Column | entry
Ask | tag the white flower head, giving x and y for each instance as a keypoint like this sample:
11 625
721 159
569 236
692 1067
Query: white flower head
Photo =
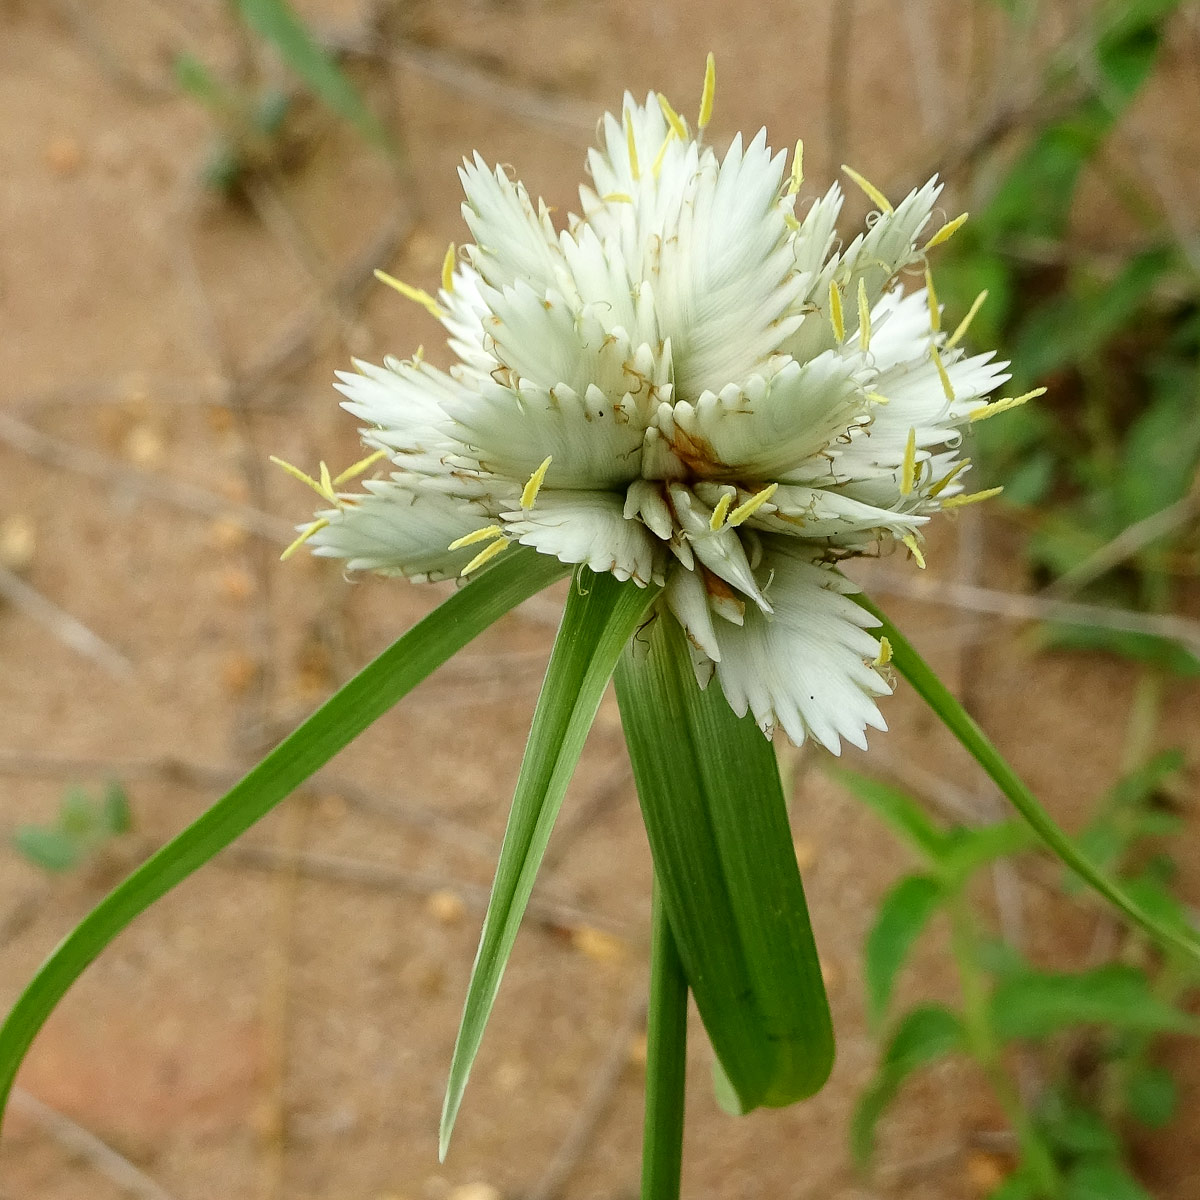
690 384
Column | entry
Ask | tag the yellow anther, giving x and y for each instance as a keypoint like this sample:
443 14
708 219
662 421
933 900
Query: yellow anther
864 317
363 464
656 166
710 92
885 653
325 492
530 492
718 514
308 532
946 232
946 480
797 170
872 192
835 311
617 198
485 555
789 219
935 311
877 398
448 268
631 147
327 484
965 323
423 298
972 498
908 466
947 386
476 535
999 406
911 542
744 512
675 121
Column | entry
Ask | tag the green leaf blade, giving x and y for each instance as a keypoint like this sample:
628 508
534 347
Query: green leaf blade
600 617
923 1036
935 693
1037 1004
902 916
514 578
278 22
717 824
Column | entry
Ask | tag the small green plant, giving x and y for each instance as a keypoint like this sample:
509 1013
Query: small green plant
1115 445
1093 1029
85 823
251 117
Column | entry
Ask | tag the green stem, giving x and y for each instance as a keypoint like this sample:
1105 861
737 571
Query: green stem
987 1050
666 1063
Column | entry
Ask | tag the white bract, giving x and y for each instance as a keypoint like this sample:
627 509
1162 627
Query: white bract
692 384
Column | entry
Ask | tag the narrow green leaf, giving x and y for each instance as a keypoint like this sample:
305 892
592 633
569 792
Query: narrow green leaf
278 22
514 578
724 860
1035 1004
898 809
116 814
902 916
931 689
600 617
924 1035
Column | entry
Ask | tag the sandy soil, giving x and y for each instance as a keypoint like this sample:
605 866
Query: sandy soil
274 1031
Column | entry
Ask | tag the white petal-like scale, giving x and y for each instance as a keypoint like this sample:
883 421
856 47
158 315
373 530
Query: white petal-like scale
396 531
674 388
589 528
805 668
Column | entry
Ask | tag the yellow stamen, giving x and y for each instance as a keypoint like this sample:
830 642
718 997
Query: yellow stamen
965 323
673 118
423 298
656 166
326 493
531 489
617 198
999 406
631 147
864 317
835 311
486 555
744 512
718 514
885 653
710 91
872 192
972 498
946 480
797 170
908 467
935 311
946 232
448 268
911 542
877 398
308 532
947 386
327 484
789 219
363 464
477 535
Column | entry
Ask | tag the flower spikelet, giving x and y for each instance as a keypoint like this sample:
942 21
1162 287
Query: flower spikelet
690 384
